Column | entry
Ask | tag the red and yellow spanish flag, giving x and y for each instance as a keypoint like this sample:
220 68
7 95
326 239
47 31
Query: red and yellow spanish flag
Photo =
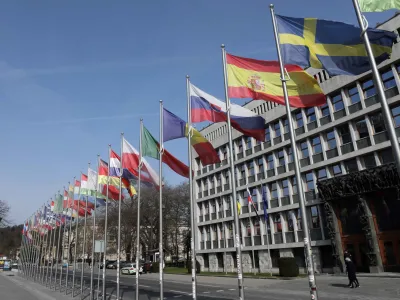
260 80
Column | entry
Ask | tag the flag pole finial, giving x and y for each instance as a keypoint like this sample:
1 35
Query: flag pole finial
271 5
223 46
187 76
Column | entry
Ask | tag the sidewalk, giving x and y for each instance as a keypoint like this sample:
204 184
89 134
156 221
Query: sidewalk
13 286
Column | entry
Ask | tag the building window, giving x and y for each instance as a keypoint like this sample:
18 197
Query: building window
310 114
248 142
227 177
331 140
274 191
285 188
396 115
220 205
277 129
290 154
267 135
212 182
325 110
294 185
337 102
277 223
377 123
214 207
316 145
261 165
270 162
256 225
248 228
386 156
321 174
344 133
351 165
388 80
369 161
299 119
251 168
285 123
208 233
218 176
206 208
205 184
368 89
314 217
242 171
254 194
224 153
298 218
354 95
240 146
289 216
304 149
281 158
310 181
337 170
362 129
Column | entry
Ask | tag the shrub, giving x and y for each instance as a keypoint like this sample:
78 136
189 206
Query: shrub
288 267
190 267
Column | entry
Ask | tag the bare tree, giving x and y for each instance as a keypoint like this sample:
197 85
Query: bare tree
4 211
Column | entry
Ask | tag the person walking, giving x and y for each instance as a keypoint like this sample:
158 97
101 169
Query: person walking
351 272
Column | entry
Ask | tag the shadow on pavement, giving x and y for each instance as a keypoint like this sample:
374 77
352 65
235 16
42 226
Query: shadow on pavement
341 285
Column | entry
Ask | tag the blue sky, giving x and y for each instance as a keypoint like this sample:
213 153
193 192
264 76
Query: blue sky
74 74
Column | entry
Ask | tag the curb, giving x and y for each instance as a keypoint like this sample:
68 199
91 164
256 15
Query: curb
248 277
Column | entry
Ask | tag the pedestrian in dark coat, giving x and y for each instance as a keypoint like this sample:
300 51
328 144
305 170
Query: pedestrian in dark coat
351 273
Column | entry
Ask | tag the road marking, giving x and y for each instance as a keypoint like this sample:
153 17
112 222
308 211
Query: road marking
219 291
146 286
177 296
180 292
232 289
206 292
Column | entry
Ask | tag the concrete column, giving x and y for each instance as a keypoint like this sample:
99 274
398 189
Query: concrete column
200 259
265 261
246 262
316 256
213 262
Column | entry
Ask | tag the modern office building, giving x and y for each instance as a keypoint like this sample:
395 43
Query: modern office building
341 146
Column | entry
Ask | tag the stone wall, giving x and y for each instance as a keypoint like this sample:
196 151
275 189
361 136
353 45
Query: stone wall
265 261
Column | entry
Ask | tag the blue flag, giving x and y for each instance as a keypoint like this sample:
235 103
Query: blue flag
264 198
334 46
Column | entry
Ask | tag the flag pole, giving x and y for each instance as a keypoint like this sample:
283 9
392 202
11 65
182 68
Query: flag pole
307 240
95 228
49 250
266 228
48 233
93 234
362 21
58 249
233 180
161 250
252 251
84 242
192 205
76 240
138 211
69 236
119 225
52 245
106 225
63 247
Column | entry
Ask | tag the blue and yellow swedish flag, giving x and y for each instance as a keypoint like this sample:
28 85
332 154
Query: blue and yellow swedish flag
334 46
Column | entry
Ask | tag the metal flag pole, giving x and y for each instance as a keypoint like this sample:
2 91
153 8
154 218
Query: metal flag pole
56 255
362 21
84 242
21 252
106 225
76 241
52 249
269 251
69 236
307 241
138 211
192 205
49 252
119 224
93 232
48 235
99 256
161 250
63 249
233 180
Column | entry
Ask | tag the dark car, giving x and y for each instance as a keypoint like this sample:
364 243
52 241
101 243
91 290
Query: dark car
110 264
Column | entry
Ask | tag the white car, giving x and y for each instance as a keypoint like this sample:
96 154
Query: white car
131 269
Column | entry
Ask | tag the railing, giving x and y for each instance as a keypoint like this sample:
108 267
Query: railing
290 237
269 240
281 169
312 125
296 198
240 155
318 157
332 153
249 152
270 172
252 208
300 235
215 244
213 216
339 114
325 120
363 143
355 107
257 148
211 167
200 218
251 179
277 140
285 200
205 193
260 176
286 136
208 245
226 187
228 213
274 203
346 148
220 214
257 240
212 191
304 162
381 137
278 238
202 245
222 243
219 189
300 130
199 195
245 209
230 243
371 100
207 218
204 170
391 92
247 241
310 195
291 166
224 162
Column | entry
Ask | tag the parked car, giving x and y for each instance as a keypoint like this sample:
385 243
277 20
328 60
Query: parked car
131 269
111 263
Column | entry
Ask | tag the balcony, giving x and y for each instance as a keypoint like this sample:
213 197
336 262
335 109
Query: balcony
296 198
390 93
257 240
312 125
347 148
226 187
199 195
316 234
245 209
260 176
257 148
274 203
252 179
200 218
204 170
220 214
249 152
318 158
208 245
277 140
242 181
290 237
198 172
267 144
206 218
285 200
291 166
271 173
281 169
240 155
228 213
278 238
371 100
215 244
381 137
205 193
363 143
286 136
355 107
247 241
213 216
325 120
202 245
310 195
300 235
222 243
300 130
219 189
230 243
267 240
304 162
210 168
332 153
224 162
212 192
339 114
